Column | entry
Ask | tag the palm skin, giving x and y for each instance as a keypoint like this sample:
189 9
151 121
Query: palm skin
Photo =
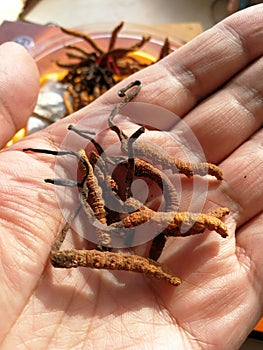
215 84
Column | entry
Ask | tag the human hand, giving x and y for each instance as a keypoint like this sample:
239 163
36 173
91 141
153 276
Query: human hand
214 83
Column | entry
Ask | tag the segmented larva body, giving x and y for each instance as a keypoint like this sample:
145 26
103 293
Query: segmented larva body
112 261
94 191
170 223
145 169
141 149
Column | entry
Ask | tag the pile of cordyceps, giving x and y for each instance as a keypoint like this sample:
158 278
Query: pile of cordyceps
110 207
95 72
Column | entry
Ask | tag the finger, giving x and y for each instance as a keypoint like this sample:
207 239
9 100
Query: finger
19 86
204 64
230 116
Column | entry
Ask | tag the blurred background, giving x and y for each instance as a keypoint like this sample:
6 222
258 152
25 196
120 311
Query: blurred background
78 12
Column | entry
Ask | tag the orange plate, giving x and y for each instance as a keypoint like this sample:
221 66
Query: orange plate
259 326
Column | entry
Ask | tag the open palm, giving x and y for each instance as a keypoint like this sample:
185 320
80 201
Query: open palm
215 84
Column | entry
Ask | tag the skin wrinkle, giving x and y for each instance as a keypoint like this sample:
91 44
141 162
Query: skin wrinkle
5 273
248 171
179 326
164 310
186 79
27 254
6 122
20 312
133 335
26 251
89 325
243 257
54 337
55 330
127 333
231 295
238 103
25 221
13 122
190 78
117 330
96 306
248 99
22 235
232 36
232 32
236 207
64 315
253 241
258 96
195 339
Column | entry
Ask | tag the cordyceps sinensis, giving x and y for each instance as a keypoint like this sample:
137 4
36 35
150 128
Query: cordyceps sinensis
98 190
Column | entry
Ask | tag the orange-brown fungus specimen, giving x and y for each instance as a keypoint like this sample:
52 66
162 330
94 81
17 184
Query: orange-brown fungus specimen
100 192
112 261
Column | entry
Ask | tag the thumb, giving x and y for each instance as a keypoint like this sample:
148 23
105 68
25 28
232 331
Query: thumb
19 87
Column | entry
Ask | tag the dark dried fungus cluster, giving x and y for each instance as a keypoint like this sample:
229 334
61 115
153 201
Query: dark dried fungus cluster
98 190
95 71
